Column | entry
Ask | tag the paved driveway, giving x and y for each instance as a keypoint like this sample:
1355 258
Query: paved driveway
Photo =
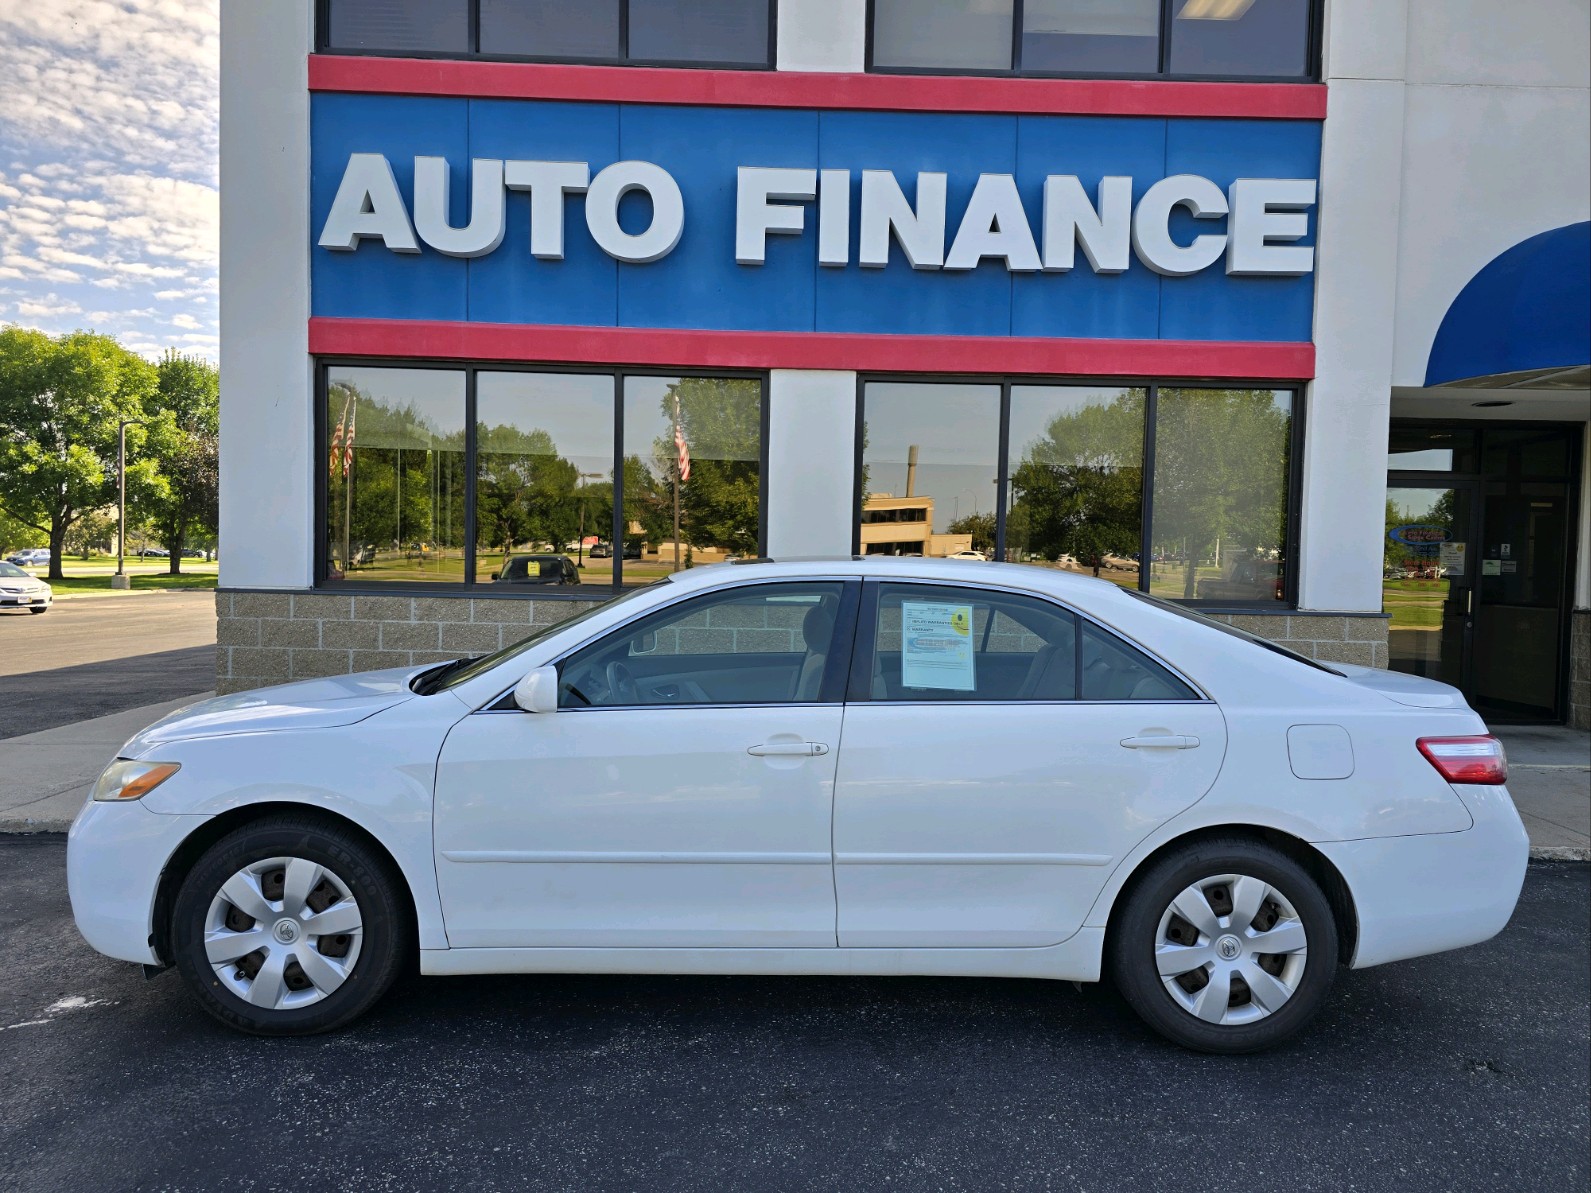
1464 1071
91 656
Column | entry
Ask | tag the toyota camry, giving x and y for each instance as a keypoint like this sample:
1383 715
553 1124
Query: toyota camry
857 766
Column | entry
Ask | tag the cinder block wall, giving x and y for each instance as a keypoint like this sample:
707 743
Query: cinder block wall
265 638
1580 669
1330 637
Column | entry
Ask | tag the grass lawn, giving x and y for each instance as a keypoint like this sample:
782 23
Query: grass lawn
73 585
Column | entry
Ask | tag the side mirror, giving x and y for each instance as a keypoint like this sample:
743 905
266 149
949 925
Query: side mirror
538 691
644 644
495 575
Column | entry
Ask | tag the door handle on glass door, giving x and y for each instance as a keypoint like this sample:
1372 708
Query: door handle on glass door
788 749
1161 741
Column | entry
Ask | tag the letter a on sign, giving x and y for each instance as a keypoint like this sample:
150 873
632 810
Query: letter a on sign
368 204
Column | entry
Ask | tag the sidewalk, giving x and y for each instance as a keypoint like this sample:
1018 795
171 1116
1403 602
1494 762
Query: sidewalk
45 776
1549 774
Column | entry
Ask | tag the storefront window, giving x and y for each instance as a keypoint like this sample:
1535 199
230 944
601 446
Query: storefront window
711 31
728 33
942 35
929 468
1219 523
692 473
1091 36
1240 38
377 26
550 28
543 479
540 465
1073 460
1075 464
1243 39
395 490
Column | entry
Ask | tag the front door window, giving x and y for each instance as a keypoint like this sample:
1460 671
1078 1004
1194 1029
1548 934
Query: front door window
1428 580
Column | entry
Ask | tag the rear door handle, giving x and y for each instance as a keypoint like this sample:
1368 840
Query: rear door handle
1161 741
788 749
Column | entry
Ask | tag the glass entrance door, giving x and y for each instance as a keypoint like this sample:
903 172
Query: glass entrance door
1428 580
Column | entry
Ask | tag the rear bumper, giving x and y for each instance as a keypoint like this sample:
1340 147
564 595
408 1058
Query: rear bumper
1425 894
115 854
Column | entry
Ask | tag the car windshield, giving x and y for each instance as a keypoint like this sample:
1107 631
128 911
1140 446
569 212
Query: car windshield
450 675
13 571
1184 611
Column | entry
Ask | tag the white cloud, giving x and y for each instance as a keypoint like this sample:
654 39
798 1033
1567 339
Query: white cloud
108 139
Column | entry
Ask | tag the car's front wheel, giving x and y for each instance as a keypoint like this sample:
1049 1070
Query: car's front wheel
289 926
1225 946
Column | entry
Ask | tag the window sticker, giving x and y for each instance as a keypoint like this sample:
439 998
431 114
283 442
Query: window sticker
936 646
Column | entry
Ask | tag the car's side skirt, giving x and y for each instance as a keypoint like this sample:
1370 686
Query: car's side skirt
1076 959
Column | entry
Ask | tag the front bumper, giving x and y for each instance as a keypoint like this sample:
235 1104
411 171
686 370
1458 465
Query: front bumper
26 600
1432 892
115 854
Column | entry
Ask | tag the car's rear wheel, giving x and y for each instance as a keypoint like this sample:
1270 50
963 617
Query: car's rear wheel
1225 946
289 926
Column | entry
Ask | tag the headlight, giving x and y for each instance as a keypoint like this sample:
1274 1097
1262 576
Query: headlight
133 780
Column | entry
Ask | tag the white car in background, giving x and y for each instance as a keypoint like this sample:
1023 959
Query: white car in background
1039 775
20 590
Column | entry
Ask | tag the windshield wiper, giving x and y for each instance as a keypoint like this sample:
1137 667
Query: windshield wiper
428 682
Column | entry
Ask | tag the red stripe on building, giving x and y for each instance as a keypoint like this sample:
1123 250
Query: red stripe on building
795 89
420 339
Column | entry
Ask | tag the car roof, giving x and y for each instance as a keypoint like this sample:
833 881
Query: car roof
1013 575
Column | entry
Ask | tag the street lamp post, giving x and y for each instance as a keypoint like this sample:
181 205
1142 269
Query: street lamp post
580 484
121 579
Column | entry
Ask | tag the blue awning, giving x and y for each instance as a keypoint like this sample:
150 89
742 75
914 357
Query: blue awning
1529 308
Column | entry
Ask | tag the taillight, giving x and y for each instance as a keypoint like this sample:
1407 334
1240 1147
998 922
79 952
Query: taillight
1477 759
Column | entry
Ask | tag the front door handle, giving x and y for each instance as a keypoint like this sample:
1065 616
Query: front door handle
788 749
1161 741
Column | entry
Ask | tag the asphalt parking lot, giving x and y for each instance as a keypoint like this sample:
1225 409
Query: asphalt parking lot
91 656
1462 1071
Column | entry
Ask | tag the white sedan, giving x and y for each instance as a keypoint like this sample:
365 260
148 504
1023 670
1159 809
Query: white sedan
19 590
879 766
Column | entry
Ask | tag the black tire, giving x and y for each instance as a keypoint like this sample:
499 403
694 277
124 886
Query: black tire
46 609
386 922
1135 935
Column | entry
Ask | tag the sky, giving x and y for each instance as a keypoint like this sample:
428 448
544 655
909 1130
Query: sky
108 144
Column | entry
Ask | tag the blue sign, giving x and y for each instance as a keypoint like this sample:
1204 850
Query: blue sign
1229 257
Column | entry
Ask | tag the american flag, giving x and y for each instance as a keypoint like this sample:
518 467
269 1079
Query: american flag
348 440
336 461
681 446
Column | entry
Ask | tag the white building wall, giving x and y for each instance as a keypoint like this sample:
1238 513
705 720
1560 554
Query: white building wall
1356 285
811 462
267 423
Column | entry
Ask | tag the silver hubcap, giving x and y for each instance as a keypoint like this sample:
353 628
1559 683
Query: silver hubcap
1230 949
283 933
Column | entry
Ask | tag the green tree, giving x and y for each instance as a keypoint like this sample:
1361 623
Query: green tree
183 440
1078 489
94 530
721 418
1221 464
60 401
979 526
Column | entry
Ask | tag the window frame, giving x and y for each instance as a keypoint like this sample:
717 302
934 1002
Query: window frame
859 688
323 45
833 687
1152 387
1312 55
470 586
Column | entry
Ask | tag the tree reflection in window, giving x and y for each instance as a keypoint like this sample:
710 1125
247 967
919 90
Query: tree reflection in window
1222 459
1077 485
716 507
395 474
